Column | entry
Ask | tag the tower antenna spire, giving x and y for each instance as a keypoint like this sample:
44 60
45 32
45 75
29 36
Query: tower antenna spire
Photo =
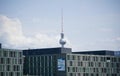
61 20
62 41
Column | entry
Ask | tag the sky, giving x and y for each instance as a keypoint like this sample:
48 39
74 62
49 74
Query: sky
88 24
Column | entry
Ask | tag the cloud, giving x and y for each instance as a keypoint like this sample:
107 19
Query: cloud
118 38
106 30
11 36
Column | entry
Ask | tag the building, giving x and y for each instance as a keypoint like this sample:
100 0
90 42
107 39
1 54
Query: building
117 53
43 62
11 62
63 62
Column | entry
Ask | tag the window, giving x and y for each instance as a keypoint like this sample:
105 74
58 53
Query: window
78 63
2 60
73 57
14 67
92 74
115 59
1 73
16 61
83 58
20 54
0 53
88 58
71 63
5 53
71 74
11 73
101 59
18 74
7 73
14 54
88 64
79 74
20 61
91 64
112 64
68 69
11 54
68 57
18 68
8 61
0 67
8 67
119 59
84 70
94 59
99 64
97 74
81 63
78 57
73 69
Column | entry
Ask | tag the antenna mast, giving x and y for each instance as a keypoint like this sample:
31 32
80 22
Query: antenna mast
62 41
62 20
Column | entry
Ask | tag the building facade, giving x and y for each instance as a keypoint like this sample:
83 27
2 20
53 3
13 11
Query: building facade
11 62
64 62
92 65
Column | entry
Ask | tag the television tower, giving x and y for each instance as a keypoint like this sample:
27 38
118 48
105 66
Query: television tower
62 40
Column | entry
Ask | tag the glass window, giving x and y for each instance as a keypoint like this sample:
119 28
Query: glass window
83 58
96 58
0 53
73 57
88 58
2 60
71 63
119 59
78 57
71 74
8 61
8 67
20 61
11 73
3 67
92 74
115 59
101 59
5 53
1 73
14 67
78 63
16 61
68 69
92 64
73 69
7 73
0 67
10 54
18 74
68 57
14 54
79 74
99 64
81 63
20 54
84 70
18 68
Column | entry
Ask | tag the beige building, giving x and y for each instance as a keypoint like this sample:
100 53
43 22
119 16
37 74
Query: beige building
11 62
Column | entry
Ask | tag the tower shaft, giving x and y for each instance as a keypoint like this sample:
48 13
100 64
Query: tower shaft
62 41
